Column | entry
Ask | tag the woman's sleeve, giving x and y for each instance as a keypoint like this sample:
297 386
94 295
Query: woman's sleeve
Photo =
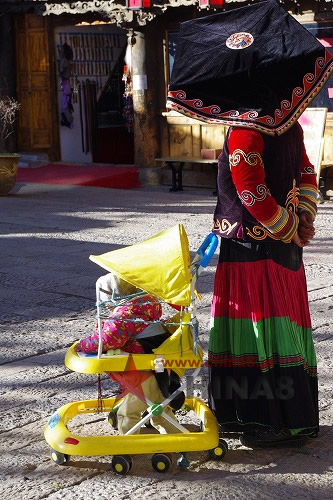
248 174
308 186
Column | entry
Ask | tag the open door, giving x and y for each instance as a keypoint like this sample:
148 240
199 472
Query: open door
115 137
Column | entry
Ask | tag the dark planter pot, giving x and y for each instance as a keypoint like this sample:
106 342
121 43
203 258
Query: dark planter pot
8 171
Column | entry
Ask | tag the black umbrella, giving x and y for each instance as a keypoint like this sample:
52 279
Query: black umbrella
255 67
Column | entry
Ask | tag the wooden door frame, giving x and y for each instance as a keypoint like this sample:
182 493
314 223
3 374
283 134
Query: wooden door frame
54 150
53 75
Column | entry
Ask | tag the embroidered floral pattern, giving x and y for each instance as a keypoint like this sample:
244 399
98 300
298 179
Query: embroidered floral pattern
283 118
251 158
292 198
248 198
308 170
260 233
239 41
223 226
282 226
183 104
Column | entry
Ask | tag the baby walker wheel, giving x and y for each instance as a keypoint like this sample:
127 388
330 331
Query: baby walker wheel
121 464
59 458
183 462
161 462
220 451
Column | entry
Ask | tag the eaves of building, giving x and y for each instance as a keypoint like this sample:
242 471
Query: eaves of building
118 11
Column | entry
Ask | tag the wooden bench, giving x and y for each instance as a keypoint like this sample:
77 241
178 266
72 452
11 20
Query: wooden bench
176 164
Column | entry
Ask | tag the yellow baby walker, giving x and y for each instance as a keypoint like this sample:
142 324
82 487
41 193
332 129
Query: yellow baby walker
161 267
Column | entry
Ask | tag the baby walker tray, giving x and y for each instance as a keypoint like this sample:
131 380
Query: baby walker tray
160 267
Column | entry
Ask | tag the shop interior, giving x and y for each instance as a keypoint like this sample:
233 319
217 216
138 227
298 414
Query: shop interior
94 95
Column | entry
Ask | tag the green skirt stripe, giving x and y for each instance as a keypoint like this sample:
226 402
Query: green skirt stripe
267 342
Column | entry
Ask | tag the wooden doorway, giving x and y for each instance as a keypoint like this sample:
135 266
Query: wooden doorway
36 132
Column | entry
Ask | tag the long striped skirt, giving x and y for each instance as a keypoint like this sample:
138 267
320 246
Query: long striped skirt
262 361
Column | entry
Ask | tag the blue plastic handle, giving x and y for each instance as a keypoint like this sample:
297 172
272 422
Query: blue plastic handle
207 249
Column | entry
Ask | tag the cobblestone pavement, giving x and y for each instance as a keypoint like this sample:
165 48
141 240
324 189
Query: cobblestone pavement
47 301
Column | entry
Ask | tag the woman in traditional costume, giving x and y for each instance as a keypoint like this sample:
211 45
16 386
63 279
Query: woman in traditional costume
256 69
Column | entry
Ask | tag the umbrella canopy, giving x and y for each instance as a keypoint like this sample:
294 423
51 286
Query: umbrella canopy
254 67
159 265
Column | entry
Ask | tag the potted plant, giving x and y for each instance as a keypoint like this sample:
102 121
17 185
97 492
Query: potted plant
8 161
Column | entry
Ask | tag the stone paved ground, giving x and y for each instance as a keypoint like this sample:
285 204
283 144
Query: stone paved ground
47 301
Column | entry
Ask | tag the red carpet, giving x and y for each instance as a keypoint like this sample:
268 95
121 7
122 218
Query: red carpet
82 175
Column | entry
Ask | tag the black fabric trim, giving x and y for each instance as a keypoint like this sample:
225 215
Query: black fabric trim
284 398
287 255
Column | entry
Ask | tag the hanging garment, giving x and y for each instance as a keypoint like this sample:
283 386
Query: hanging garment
66 56
67 118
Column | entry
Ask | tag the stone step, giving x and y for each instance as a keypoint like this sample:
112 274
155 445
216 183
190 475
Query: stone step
31 160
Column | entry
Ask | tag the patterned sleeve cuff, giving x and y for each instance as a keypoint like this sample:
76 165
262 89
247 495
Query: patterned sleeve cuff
283 224
308 198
